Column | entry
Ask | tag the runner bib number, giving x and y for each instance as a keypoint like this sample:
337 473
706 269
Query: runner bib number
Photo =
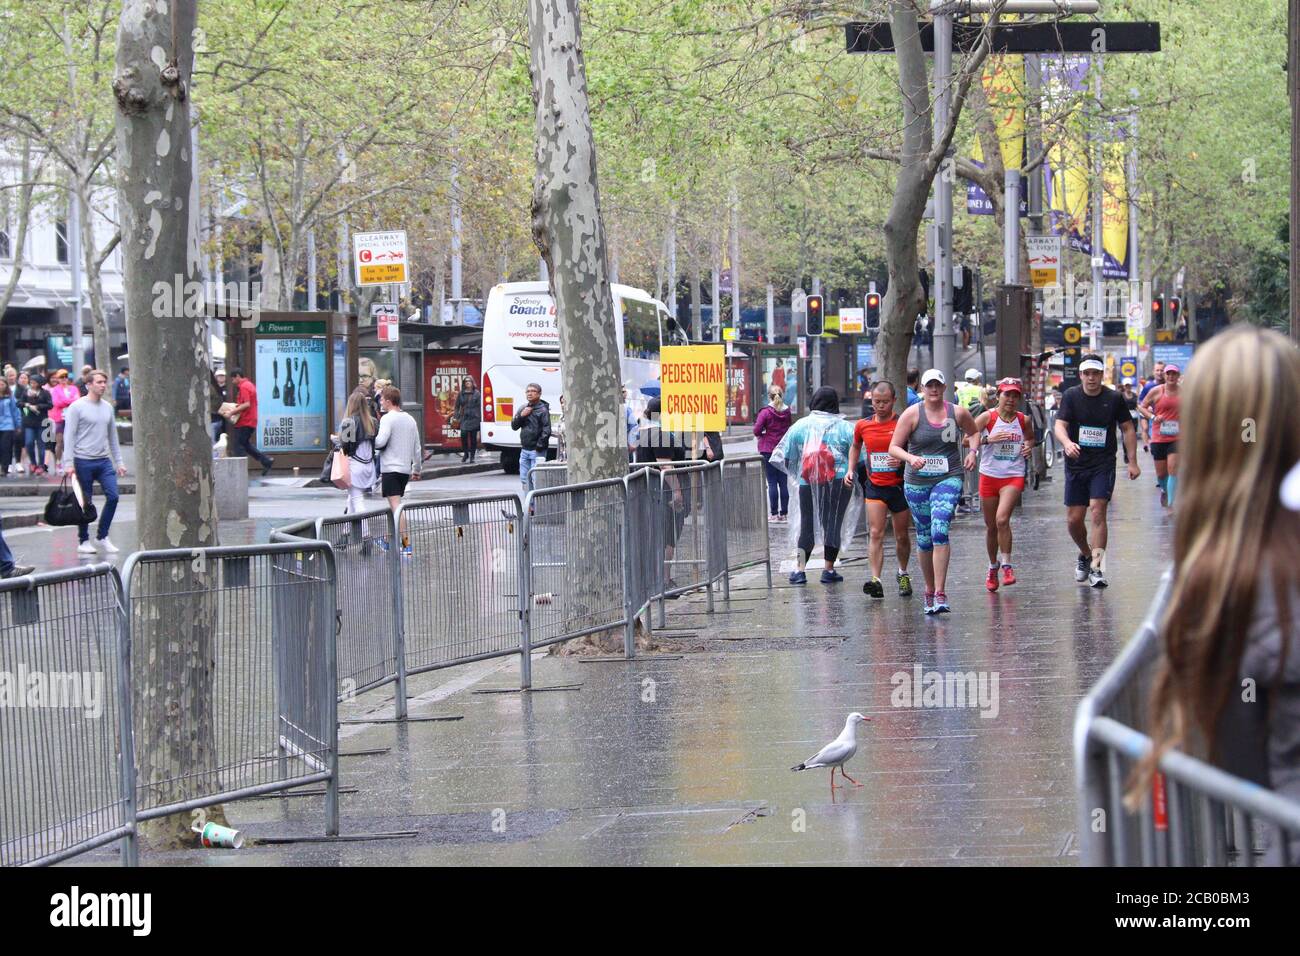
1006 451
933 465
1090 436
883 462
1169 429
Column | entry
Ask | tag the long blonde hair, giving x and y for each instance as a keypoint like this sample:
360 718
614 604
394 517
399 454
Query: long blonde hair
776 398
1240 436
359 408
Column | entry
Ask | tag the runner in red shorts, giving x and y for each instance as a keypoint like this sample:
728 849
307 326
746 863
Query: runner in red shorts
1007 439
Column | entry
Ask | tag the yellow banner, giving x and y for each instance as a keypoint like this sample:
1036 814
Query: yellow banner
1068 159
1114 203
693 388
1003 80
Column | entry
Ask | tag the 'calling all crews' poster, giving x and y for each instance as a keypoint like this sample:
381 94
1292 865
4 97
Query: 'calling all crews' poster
446 372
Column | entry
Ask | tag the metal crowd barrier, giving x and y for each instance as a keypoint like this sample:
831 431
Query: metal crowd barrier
486 578
252 627
371 636
1196 814
575 557
66 781
460 586
744 482
105 733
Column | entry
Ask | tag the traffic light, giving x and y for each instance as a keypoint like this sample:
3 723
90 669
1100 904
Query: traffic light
1175 310
1157 312
873 310
815 317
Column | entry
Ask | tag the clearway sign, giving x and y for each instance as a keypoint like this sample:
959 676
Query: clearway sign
1044 260
380 257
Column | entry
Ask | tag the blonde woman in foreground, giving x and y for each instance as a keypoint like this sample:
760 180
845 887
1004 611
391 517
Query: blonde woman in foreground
1227 687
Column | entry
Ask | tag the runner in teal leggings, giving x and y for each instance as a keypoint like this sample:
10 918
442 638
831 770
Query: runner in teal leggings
928 439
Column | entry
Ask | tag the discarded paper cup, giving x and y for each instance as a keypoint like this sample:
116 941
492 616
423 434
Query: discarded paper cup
213 834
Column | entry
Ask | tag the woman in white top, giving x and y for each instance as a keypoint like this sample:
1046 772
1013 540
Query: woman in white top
1007 439
357 439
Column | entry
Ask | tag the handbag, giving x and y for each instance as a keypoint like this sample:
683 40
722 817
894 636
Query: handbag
341 471
66 506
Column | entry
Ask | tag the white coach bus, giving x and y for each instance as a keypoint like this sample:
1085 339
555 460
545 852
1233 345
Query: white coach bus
521 344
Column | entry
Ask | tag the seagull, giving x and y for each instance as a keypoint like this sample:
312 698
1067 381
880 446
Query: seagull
837 752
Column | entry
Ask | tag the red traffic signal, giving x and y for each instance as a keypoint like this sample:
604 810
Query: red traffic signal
1175 308
815 317
873 310
1157 311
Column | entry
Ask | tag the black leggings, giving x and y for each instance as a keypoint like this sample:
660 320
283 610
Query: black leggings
832 501
469 442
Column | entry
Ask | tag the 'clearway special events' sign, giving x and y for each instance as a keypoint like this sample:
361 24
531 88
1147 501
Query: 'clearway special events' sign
1044 260
694 388
380 257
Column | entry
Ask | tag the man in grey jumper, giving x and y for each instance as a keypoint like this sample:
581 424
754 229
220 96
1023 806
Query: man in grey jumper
400 454
90 453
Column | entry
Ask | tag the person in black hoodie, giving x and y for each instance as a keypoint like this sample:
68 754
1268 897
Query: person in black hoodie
533 422
35 407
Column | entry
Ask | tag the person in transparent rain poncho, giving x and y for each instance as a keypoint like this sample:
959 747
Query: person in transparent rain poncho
814 454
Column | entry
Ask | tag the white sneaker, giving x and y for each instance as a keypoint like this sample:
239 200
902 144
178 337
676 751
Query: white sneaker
19 469
108 547
85 548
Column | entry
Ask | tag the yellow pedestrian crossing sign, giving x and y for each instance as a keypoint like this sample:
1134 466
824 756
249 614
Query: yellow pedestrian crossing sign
1072 334
1128 367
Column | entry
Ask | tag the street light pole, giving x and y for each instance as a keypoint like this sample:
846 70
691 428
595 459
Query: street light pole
943 348
73 237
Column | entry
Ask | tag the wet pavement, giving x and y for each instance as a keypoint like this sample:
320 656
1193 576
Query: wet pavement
683 757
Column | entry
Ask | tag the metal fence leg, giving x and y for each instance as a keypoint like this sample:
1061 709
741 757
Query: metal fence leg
130 844
399 622
629 544
329 691
525 599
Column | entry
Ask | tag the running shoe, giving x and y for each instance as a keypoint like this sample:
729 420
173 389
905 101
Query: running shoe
383 545
832 577
1081 568
941 603
798 577
929 603
991 579
873 588
406 551
1096 578
1008 576
1164 499
904 583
